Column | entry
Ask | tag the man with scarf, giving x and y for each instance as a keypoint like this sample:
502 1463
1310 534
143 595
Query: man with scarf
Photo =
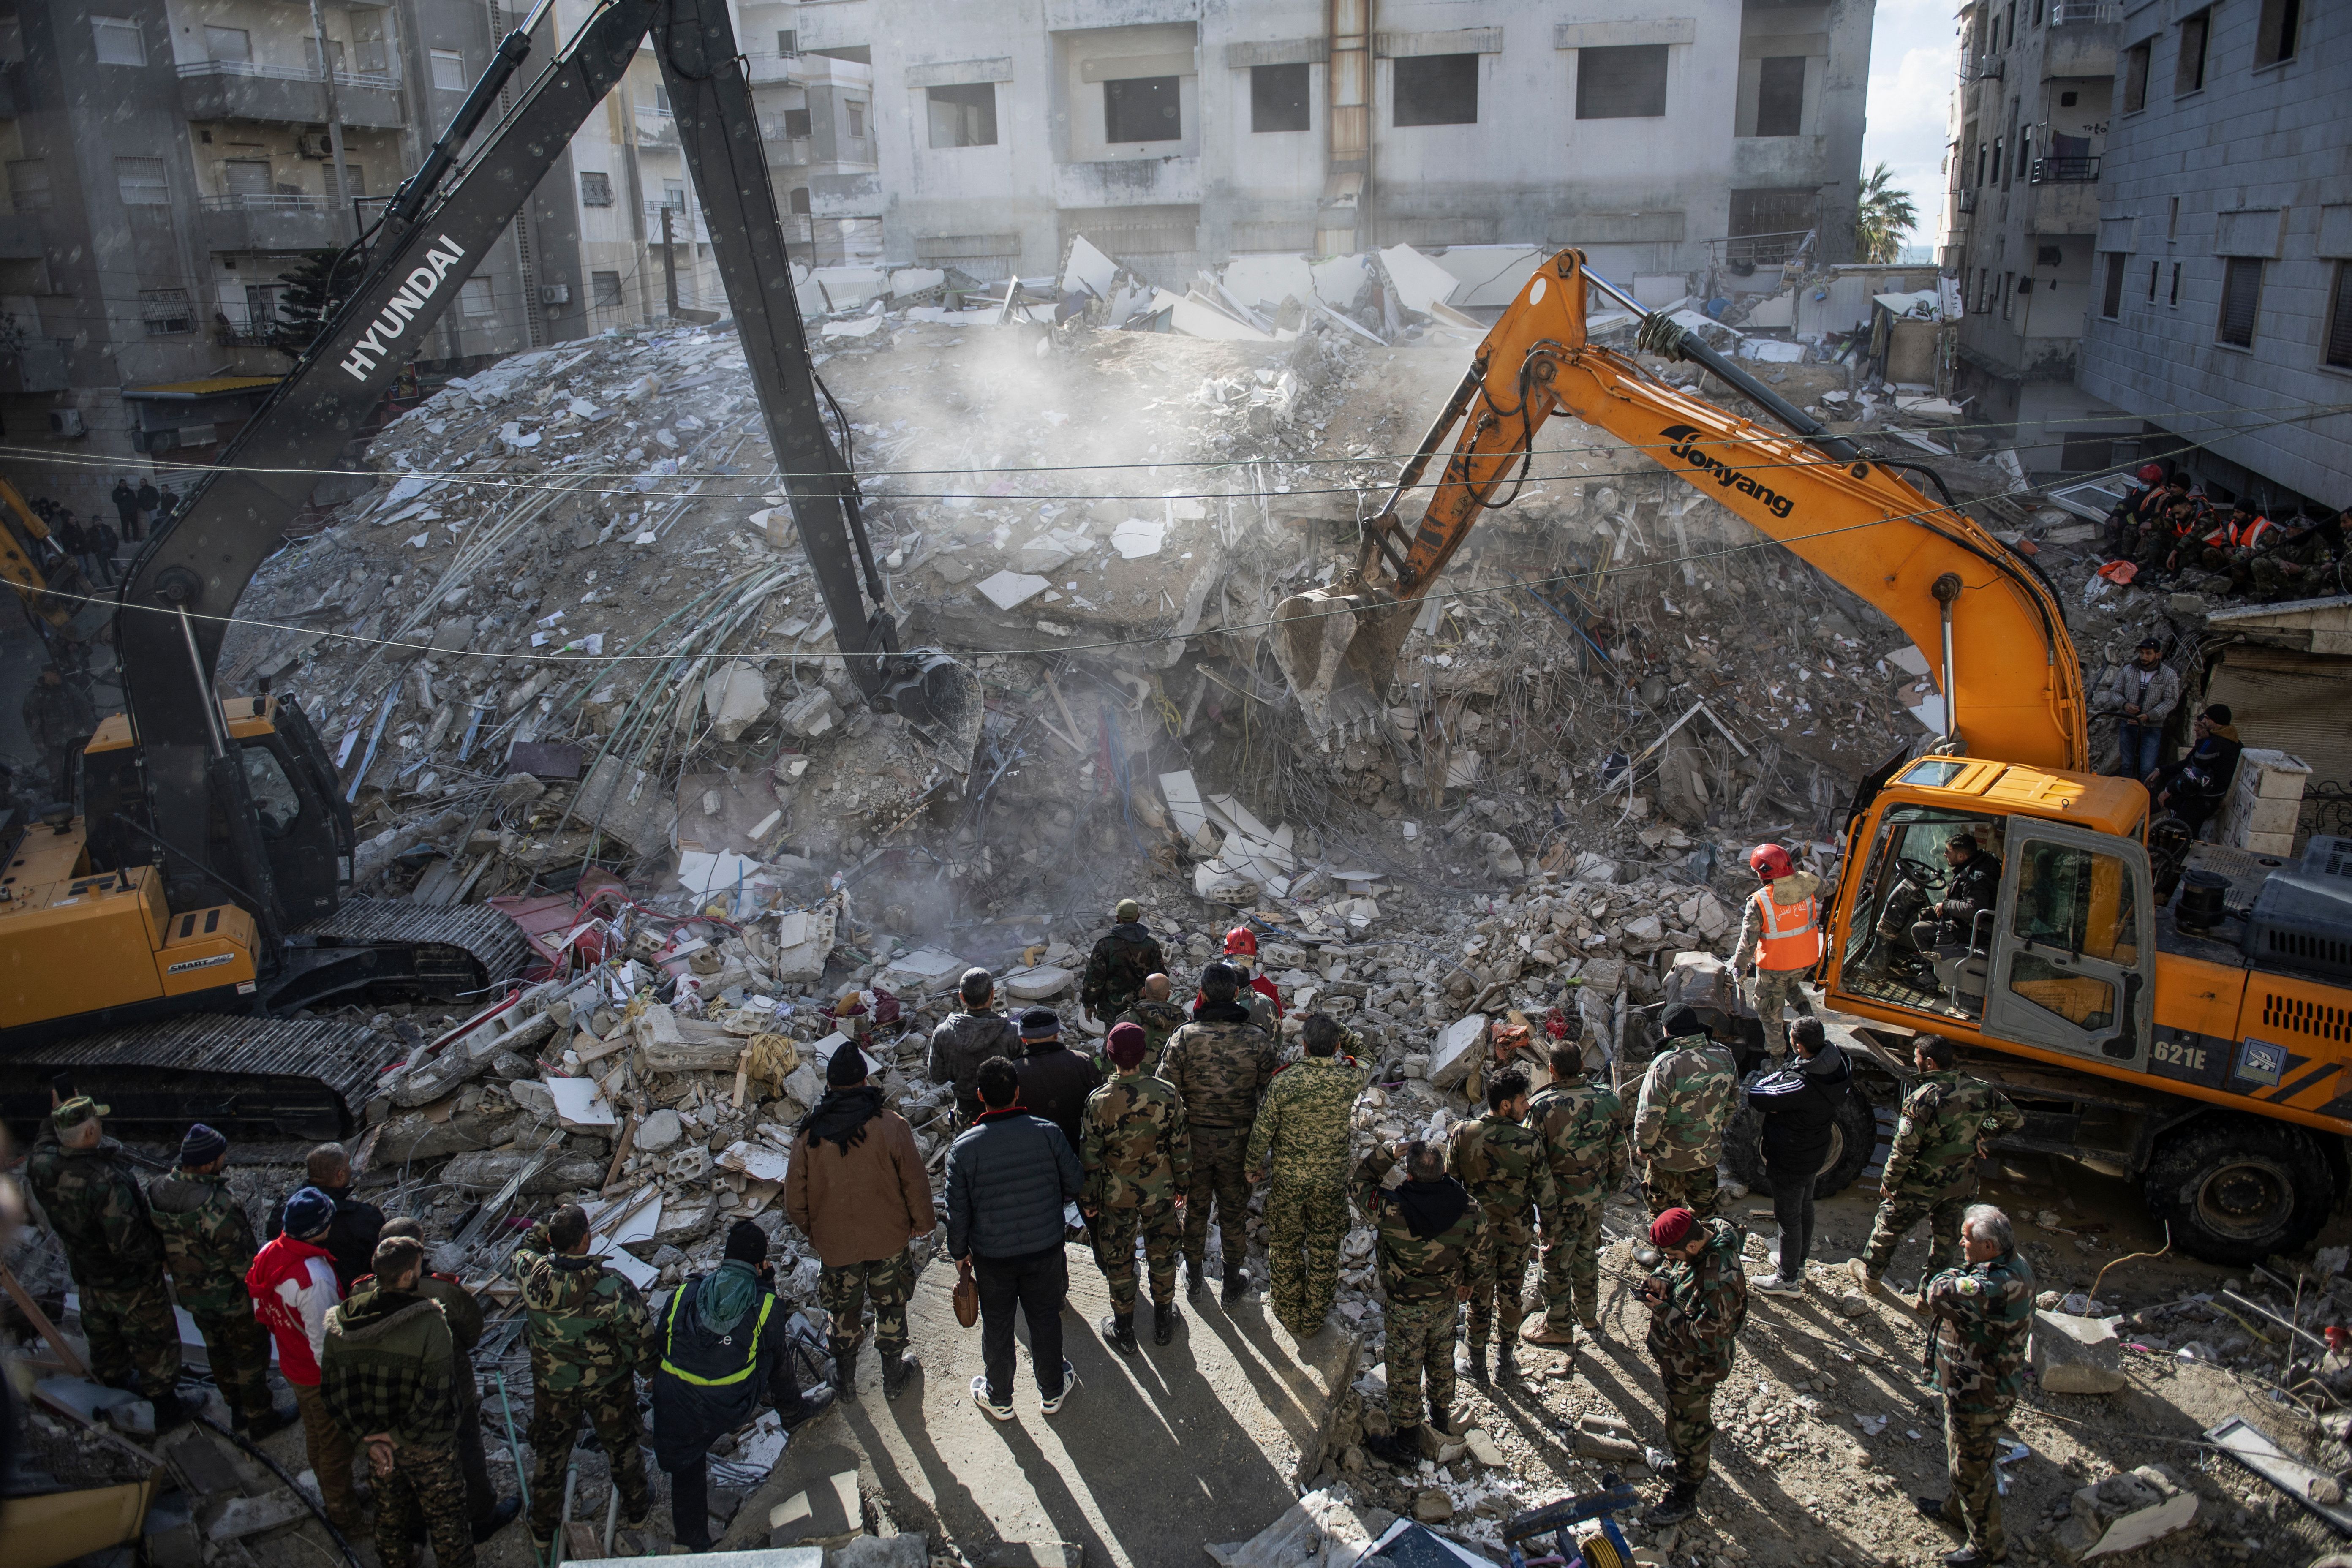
723 1347
857 1188
1431 1245
1220 1063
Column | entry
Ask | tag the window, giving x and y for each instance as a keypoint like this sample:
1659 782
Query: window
661 98
1982 148
797 123
674 195
167 311
1143 109
2242 294
605 287
245 177
354 182
1435 89
2174 299
275 799
260 307
2068 99
1623 83
2000 159
1278 97
596 189
2275 34
2085 449
2172 220
2111 303
370 44
28 183
334 53
2153 268
448 70
2010 30
1780 96
2135 77
119 40
229 44
788 40
2188 75
797 199
2025 152
855 110
474 297
2007 294
2338 351
141 182
963 115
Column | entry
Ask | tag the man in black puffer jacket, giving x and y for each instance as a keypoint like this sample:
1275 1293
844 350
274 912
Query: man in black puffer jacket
1010 1177
1800 1104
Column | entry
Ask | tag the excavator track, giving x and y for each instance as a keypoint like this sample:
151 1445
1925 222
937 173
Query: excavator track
496 942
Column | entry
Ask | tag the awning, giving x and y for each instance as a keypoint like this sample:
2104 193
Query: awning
198 390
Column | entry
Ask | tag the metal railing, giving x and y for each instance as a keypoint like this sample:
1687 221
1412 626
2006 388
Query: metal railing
1762 250
387 81
2080 13
2065 171
784 149
685 224
259 203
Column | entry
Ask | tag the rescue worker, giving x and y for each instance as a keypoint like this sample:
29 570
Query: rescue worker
1687 1099
1699 1303
1055 1079
2124 517
2240 538
1983 1313
588 1334
1583 1125
292 1283
1116 968
1220 1063
1931 1165
384 1374
969 1036
58 720
1298 1146
1430 1238
1136 1150
1502 1163
2300 563
722 1348
1781 933
2143 694
1158 1015
1263 999
208 1245
1799 1104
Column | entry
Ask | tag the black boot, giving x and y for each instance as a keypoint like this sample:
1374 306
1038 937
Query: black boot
1478 1365
1236 1283
898 1366
1163 1322
1680 1502
1441 1421
1507 1364
1118 1331
501 1517
1192 1280
1401 1449
815 1402
844 1368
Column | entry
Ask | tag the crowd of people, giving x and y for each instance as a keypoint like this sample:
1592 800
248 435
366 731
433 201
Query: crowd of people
2168 528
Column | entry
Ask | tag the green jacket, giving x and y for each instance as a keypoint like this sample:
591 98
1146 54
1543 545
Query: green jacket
1117 967
1984 1314
1582 1125
208 1240
96 1207
1304 1122
1687 1099
1933 1152
386 1368
1136 1147
1422 1268
1503 1164
1695 1331
1220 1066
587 1325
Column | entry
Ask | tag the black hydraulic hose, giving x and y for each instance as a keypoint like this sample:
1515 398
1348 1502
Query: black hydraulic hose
279 1470
1934 477
418 188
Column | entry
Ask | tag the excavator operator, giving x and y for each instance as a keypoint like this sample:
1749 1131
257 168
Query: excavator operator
1914 923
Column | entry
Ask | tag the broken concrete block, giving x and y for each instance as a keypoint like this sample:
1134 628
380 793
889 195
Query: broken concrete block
2077 1355
1007 589
657 1026
880 1551
1484 1449
478 1174
1036 984
1645 928
734 698
660 1130
1433 1507
2124 1512
453 633
1457 1049
811 714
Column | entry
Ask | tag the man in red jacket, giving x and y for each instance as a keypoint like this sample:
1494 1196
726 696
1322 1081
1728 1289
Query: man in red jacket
292 1281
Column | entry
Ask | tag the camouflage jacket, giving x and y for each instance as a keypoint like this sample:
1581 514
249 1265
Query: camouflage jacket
1416 1267
1157 1020
1687 1099
1693 1332
1136 1148
96 1207
1983 1313
1582 1123
208 1241
1502 1162
1934 1153
1117 967
587 1324
1304 1123
1220 1066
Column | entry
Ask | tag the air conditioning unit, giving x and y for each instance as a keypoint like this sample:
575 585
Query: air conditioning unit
555 293
67 422
317 147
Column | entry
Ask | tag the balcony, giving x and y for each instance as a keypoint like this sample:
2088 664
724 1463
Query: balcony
656 127
767 68
271 223
1126 182
847 196
1761 162
2065 172
2084 12
2082 39
2059 210
35 365
233 89
800 228
785 151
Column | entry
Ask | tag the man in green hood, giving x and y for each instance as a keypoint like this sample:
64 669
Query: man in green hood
384 1373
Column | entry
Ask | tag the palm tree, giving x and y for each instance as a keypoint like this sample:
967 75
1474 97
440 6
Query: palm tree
1884 217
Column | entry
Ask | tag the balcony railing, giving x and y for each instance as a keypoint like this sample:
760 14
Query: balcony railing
267 204
1966 200
1762 250
2080 13
787 150
2066 171
384 79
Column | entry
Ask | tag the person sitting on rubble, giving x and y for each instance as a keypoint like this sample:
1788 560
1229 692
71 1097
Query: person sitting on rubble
2193 788
2123 522
969 1036
2300 563
2188 518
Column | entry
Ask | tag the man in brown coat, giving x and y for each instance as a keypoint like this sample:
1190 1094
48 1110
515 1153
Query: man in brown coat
857 1189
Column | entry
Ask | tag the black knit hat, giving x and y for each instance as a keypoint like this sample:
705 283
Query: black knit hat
746 1243
845 1068
1040 1024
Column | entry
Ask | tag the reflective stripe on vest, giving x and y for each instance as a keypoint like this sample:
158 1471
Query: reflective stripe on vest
669 1339
2243 537
1792 935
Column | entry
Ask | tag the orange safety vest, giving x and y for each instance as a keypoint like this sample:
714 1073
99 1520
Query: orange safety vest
2244 538
1792 933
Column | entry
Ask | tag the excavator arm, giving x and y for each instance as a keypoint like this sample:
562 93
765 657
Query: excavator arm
1991 628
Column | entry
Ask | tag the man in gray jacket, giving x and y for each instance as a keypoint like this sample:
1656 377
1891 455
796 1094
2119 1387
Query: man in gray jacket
1010 1177
2143 693
969 1036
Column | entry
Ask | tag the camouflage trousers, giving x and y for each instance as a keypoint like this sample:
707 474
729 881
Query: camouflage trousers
1305 1222
844 1291
1571 1263
1898 1213
1219 1170
134 1340
1690 1421
424 1495
1969 1445
1115 1232
1691 1190
1420 1342
1776 989
555 1416
238 1347
1509 1239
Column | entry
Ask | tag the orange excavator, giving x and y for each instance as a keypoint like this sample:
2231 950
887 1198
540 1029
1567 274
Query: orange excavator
2199 1042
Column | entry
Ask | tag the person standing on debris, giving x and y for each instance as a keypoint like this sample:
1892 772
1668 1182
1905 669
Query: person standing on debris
1298 1146
1137 1153
384 1376
1157 1016
1430 1239
857 1188
58 720
208 1245
126 506
1262 998
1699 1303
357 1226
1780 934
1583 1125
1799 1105
2143 693
1687 1099
1010 1176
723 1348
1502 1163
1931 1165
293 1286
1220 1063
589 1334
84 1183
1055 1079
148 499
2194 789
1116 966
969 1036
1983 1313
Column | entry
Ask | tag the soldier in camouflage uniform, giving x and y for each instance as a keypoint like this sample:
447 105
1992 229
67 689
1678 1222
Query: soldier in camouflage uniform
1699 1303
2300 565
1931 1166
1582 1125
1503 1163
1137 1152
1158 1015
1117 965
589 1336
1299 1145
208 1244
1687 1099
1221 1064
95 1205
1430 1239
385 1375
1983 1313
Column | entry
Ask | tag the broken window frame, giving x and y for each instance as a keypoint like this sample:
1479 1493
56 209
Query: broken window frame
1623 81
1143 103
1281 98
960 114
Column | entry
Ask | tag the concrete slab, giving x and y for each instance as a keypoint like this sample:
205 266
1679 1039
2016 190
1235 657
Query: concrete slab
1243 1404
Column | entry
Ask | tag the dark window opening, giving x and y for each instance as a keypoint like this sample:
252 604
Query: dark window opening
2241 293
2153 268
2338 351
1624 83
963 115
788 41
1780 97
605 287
2111 304
2175 296
1278 96
2068 99
1143 109
2275 34
2136 78
2195 33
797 199
1437 90
2081 452
798 123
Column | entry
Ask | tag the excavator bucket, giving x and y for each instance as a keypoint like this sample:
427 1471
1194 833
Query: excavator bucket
1337 648
942 700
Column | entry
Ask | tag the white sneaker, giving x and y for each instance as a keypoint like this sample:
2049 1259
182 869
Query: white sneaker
1773 1285
1069 1381
980 1397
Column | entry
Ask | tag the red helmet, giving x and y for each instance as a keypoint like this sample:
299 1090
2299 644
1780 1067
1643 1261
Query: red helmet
2151 473
1771 862
1241 938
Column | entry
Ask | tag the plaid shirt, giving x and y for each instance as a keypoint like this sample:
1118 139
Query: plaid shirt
388 1368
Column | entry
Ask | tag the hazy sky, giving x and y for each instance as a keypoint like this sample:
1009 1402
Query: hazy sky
1913 54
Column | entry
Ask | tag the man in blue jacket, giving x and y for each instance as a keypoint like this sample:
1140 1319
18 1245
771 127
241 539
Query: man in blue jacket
1010 1177
1800 1104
